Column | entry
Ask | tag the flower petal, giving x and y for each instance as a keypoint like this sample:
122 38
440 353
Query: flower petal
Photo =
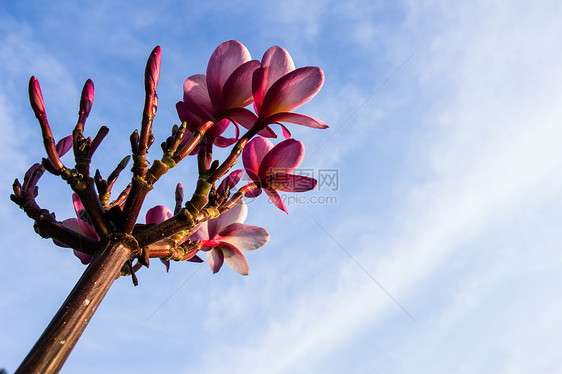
276 62
235 214
231 181
290 182
201 232
166 264
299 119
72 224
158 214
253 154
283 158
242 116
286 132
223 142
235 259
247 119
237 90
244 237
225 59
218 128
292 90
187 116
64 145
215 257
77 204
195 259
253 193
84 258
196 96
275 198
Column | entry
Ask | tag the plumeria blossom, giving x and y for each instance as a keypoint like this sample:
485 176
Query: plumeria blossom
278 89
270 168
226 86
225 237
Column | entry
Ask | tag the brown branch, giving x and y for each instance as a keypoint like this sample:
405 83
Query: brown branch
53 347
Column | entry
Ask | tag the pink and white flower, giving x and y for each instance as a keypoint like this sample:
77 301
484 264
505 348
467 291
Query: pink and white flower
270 168
225 238
277 89
227 85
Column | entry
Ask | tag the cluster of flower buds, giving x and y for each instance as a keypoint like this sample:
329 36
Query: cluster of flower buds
212 221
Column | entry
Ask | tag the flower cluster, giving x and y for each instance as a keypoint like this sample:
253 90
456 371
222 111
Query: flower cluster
249 97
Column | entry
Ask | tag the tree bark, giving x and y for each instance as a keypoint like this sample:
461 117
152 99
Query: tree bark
57 341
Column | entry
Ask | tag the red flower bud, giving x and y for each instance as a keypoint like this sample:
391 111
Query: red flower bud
152 72
87 98
36 98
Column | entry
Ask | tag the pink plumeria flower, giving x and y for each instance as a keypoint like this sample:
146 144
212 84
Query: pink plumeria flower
159 214
270 168
278 89
81 225
226 86
225 237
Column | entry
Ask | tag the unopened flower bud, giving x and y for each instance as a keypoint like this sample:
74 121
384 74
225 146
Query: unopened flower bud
36 98
152 72
87 98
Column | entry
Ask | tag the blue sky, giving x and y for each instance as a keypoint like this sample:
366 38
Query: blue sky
441 253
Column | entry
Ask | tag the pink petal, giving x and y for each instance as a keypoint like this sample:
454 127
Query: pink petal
77 204
290 182
166 264
253 193
292 90
216 259
276 62
237 90
258 87
299 119
286 132
185 115
225 59
223 142
242 116
84 258
231 181
283 158
72 224
195 259
64 145
275 198
88 230
235 259
247 119
253 154
244 237
218 128
83 219
158 214
196 96
235 214
201 232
